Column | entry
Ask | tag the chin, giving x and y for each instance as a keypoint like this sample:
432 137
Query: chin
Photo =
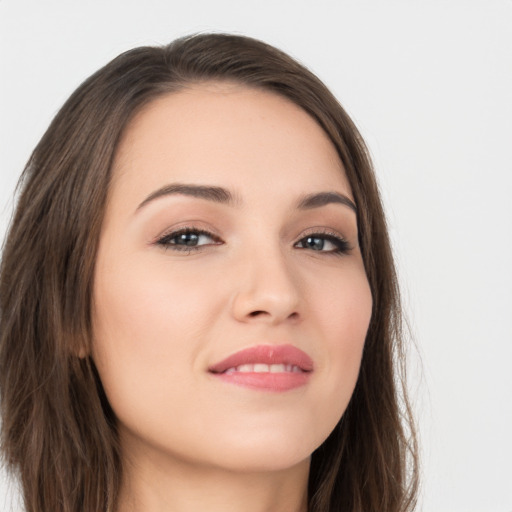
264 461
257 450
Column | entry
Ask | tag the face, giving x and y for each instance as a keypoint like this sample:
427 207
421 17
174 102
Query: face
230 300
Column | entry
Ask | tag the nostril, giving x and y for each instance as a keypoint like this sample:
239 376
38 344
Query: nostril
254 314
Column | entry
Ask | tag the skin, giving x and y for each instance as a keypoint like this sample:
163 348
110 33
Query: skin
162 316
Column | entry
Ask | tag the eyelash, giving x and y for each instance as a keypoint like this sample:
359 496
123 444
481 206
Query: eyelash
165 240
342 245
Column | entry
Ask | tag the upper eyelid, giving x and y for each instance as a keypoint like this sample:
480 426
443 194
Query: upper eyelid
207 231
177 232
317 230
322 231
174 231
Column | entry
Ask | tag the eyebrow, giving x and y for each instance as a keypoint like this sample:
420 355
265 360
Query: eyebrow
224 196
323 198
210 193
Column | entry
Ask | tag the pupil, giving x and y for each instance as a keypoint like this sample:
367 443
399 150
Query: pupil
188 239
315 243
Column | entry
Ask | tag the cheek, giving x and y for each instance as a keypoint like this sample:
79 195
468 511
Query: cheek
144 304
348 318
148 325
344 309
343 305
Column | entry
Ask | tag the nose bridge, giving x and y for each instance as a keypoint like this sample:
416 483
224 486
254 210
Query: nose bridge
266 287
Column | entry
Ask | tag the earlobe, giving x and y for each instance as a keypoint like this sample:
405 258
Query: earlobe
82 353
81 349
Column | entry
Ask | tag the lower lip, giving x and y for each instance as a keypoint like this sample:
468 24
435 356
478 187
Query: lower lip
266 381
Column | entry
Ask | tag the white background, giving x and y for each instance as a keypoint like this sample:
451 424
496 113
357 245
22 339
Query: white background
429 84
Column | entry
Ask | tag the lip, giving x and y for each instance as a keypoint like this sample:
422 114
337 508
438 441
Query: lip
280 380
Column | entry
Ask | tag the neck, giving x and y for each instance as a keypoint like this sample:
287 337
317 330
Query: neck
165 484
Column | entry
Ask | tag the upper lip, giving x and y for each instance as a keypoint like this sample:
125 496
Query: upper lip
265 354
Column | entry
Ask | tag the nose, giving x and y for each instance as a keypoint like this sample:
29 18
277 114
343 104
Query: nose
267 290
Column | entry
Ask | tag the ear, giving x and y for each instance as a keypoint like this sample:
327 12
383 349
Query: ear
80 348
82 353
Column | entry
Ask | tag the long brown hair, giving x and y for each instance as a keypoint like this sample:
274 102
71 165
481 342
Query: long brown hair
58 432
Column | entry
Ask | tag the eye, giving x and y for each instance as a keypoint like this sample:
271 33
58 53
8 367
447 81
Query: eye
324 242
187 239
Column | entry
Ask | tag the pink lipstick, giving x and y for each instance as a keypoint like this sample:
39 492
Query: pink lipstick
266 367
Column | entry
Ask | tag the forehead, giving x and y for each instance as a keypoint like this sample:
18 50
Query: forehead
228 135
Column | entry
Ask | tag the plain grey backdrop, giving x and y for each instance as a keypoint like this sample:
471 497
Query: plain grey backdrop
429 85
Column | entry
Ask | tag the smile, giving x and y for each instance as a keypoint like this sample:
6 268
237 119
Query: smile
274 368
265 368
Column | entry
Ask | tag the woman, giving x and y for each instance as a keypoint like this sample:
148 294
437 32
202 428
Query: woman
199 307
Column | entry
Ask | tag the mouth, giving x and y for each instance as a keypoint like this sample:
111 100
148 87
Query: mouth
265 367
